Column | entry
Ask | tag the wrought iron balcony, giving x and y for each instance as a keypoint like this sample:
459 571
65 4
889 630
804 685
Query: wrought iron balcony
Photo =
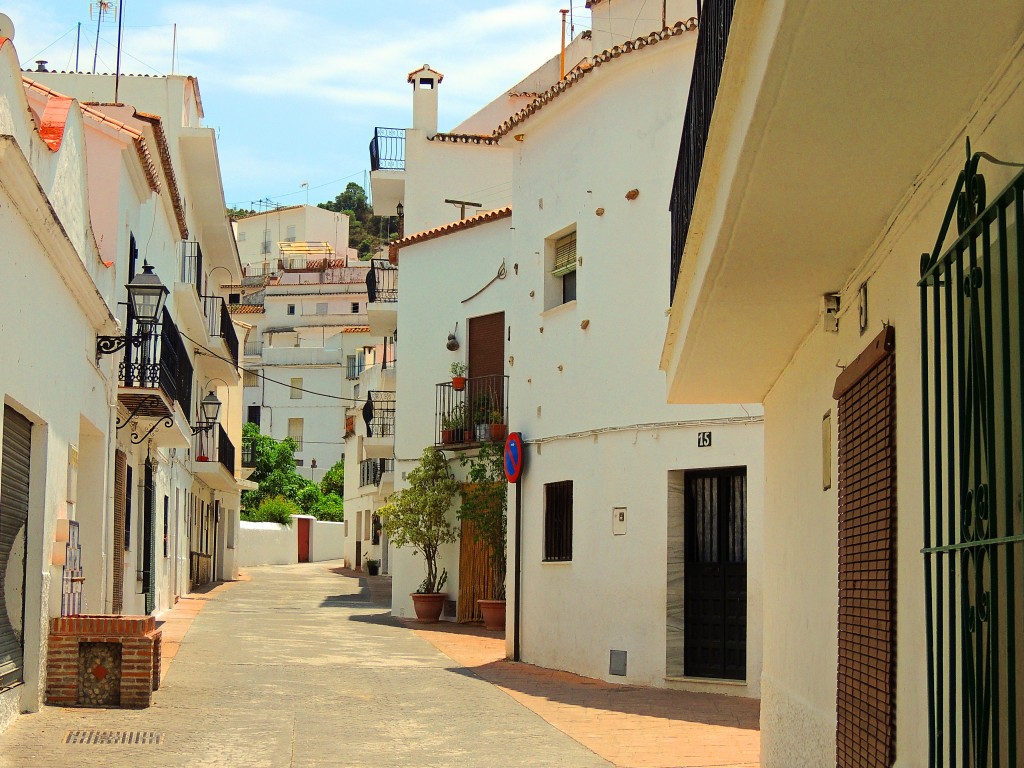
712 39
382 281
476 414
160 362
215 445
192 265
371 471
218 323
387 149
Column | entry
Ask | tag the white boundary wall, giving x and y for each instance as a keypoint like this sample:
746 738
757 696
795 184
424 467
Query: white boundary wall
276 544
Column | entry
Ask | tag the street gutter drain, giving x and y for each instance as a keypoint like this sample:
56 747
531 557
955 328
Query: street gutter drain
113 737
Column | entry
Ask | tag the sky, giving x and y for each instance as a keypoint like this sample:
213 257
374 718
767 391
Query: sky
294 90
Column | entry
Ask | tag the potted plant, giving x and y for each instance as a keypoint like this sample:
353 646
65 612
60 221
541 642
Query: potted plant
482 418
458 371
417 517
497 426
372 566
453 425
485 504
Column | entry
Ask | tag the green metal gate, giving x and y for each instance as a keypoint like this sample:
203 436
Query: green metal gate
972 319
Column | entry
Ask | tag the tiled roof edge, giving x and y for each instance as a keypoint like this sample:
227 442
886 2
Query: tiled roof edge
447 229
464 138
580 71
165 160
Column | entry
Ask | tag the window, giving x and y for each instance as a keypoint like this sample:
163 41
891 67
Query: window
558 521
321 307
296 389
355 307
265 247
353 367
253 415
291 309
295 432
241 237
250 379
560 281
299 462
128 508
290 234
234 298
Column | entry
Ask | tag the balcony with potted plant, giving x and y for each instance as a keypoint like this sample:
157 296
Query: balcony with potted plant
469 417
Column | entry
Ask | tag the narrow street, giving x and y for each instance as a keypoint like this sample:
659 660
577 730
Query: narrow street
302 666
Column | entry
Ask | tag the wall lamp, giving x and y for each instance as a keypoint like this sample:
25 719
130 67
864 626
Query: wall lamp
146 296
209 409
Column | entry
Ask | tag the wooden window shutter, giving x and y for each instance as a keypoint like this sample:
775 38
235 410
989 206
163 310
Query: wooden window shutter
487 345
120 505
565 256
866 675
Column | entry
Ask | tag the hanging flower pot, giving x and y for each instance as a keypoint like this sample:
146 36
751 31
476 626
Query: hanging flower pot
458 383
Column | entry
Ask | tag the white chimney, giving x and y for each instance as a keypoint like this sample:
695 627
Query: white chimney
424 98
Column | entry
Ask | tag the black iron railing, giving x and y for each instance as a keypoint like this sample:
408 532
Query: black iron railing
972 347
476 414
215 445
371 471
387 149
248 453
218 323
161 361
379 413
382 281
713 37
192 265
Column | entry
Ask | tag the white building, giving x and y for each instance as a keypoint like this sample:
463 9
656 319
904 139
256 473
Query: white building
835 159
546 291
259 235
307 343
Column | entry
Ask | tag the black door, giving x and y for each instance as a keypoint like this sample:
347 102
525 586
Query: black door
14 485
149 538
715 593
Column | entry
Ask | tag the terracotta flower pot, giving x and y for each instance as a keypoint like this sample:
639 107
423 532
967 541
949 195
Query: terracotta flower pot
458 383
498 432
493 612
428 606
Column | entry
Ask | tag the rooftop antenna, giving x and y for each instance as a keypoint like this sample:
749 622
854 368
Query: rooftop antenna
174 47
562 57
120 35
103 9
78 44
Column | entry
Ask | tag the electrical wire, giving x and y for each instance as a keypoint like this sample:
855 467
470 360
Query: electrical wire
207 351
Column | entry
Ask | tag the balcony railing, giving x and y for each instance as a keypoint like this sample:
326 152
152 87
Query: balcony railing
379 413
371 471
218 323
215 445
192 264
382 281
161 361
248 453
254 348
476 414
387 149
715 20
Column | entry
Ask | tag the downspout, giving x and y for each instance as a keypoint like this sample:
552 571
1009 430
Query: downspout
107 572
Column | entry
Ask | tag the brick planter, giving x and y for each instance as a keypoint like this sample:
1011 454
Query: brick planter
103 661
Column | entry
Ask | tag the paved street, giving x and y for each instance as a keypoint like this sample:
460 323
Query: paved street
301 666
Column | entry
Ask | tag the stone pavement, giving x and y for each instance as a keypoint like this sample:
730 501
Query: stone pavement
302 666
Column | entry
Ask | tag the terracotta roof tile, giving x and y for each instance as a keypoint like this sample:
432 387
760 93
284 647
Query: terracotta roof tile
464 138
580 71
447 229
356 329
427 67
165 161
246 309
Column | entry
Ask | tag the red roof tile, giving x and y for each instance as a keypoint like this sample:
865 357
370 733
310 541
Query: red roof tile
447 229
246 309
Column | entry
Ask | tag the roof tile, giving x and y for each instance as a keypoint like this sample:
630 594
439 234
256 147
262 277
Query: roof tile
447 229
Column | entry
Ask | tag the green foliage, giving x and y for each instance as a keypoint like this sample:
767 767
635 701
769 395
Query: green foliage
417 516
367 233
239 213
333 480
308 497
275 468
329 507
458 368
485 505
276 509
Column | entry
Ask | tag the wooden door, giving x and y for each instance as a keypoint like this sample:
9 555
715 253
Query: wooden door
485 392
303 539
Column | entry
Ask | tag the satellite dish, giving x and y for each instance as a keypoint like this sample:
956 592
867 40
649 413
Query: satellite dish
6 26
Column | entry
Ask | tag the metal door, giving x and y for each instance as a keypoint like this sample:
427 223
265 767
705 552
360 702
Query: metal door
14 488
715 577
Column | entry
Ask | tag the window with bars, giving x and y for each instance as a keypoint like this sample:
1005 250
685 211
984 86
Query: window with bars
295 427
355 307
250 379
558 521
296 389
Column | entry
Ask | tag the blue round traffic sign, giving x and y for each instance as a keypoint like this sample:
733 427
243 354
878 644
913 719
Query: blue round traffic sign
514 455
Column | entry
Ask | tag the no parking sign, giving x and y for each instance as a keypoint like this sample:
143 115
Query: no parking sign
514 456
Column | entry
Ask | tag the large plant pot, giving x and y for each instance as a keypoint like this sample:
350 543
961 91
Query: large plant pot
428 606
373 570
493 612
498 432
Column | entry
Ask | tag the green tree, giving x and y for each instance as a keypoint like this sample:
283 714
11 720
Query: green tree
351 201
333 480
239 213
329 507
275 468
367 232
275 509
417 516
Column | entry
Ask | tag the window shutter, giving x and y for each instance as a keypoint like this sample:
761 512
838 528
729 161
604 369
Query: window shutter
565 256
120 507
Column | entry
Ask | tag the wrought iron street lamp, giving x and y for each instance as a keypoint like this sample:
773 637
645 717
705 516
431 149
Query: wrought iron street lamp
209 410
146 295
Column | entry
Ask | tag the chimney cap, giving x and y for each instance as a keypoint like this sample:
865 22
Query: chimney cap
41 65
425 68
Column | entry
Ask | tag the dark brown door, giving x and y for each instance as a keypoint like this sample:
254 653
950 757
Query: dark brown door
715 576
303 539
866 678
486 391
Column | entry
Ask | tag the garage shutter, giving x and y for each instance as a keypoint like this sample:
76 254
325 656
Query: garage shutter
14 478
866 678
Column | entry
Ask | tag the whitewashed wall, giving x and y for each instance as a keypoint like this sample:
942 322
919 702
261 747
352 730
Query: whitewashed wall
326 541
268 544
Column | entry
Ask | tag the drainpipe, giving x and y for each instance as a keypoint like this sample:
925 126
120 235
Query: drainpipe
562 56
107 572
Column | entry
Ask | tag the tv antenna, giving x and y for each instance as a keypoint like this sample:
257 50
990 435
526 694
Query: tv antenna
104 11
